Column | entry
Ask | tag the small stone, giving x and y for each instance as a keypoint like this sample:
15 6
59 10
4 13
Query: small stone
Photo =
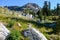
19 24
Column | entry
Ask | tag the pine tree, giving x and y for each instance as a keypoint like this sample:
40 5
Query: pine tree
39 13
58 9
46 8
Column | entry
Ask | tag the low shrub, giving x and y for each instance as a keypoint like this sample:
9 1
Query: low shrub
14 35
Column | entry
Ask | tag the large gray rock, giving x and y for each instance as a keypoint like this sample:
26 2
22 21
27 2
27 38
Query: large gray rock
2 37
4 32
34 34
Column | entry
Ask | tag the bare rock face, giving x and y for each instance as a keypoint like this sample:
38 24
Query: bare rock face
34 34
4 32
2 37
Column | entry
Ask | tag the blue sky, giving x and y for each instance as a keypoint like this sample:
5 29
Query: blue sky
23 2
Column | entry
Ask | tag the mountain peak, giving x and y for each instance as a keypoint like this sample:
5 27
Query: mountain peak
32 4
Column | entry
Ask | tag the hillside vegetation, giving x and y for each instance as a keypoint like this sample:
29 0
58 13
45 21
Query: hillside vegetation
10 20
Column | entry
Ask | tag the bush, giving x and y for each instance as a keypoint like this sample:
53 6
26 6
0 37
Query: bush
10 24
15 35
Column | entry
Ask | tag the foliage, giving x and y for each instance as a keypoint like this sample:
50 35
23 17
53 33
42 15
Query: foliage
27 10
46 8
15 35
47 36
58 9
57 28
10 24
39 14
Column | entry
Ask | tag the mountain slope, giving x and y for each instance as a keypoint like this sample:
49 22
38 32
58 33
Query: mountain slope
32 6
